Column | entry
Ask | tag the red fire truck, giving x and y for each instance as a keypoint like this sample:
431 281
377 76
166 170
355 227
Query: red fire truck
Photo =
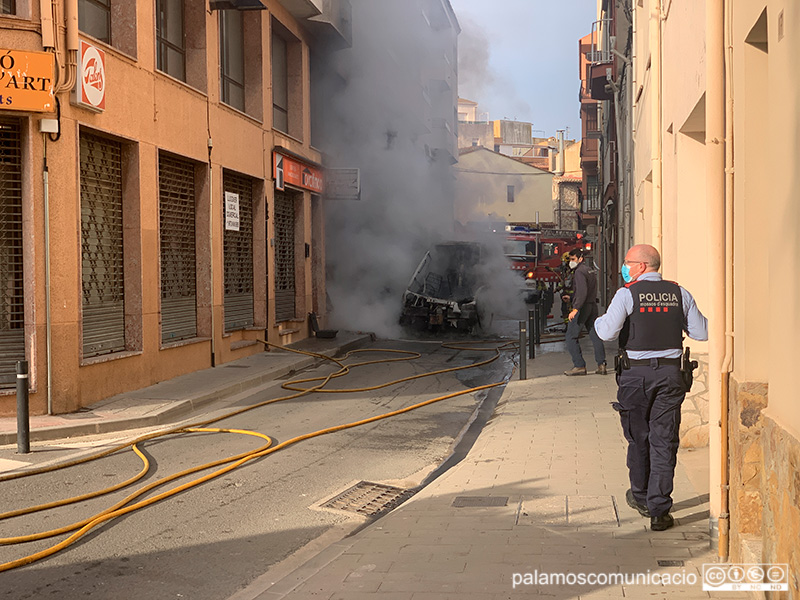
537 255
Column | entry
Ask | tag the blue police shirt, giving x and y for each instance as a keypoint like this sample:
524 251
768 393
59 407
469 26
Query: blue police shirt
610 324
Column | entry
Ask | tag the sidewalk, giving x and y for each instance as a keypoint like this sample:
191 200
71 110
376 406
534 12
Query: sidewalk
170 400
553 460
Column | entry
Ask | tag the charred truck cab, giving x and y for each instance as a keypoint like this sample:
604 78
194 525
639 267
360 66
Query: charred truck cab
444 291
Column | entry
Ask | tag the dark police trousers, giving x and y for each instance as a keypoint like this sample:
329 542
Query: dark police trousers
649 402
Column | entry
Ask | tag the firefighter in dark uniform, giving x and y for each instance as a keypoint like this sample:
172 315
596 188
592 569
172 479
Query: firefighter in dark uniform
650 316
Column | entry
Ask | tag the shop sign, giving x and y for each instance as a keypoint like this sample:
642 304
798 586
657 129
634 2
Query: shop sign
26 81
90 89
287 170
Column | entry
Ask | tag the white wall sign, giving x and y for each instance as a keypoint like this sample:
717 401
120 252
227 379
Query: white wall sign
231 211
343 184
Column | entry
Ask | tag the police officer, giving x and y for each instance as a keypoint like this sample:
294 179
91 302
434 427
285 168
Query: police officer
650 315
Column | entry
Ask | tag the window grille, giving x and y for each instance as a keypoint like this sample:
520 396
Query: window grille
178 248
284 257
12 313
103 281
238 249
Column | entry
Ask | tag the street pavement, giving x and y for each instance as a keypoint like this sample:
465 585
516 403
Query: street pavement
540 497
552 459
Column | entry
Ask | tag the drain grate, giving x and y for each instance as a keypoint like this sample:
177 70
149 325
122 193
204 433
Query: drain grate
479 501
369 499
670 563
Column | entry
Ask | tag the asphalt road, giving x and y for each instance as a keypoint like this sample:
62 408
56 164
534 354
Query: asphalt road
210 541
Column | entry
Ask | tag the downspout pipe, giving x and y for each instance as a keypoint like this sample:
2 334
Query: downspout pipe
724 520
655 117
715 194
48 316
48 31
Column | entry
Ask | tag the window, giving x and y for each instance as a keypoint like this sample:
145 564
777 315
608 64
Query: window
238 251
111 23
8 7
510 193
287 80
171 43
232 58
94 19
176 184
12 308
280 84
102 268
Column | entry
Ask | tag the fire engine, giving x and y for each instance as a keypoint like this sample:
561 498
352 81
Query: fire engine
537 255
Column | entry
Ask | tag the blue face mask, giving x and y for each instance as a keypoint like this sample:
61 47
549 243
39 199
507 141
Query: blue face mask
626 273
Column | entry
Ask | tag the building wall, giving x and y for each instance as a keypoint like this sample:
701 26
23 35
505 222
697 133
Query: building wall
483 177
150 112
472 134
763 419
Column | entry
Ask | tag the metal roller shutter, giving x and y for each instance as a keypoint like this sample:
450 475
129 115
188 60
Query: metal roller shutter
178 253
238 249
103 280
284 257
12 337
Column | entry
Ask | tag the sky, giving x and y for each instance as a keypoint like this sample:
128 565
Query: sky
518 59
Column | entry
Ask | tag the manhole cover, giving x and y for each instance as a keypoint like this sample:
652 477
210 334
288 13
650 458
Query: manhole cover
480 501
369 499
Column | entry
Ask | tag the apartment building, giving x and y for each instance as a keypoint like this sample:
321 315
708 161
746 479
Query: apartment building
716 141
162 204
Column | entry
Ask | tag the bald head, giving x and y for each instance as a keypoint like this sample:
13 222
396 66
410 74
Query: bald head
645 253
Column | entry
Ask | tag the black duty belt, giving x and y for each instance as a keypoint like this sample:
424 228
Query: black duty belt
638 362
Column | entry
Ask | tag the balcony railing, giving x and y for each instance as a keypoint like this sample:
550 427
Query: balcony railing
591 201
601 43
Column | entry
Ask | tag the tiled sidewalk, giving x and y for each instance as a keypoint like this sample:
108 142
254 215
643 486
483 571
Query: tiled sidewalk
555 450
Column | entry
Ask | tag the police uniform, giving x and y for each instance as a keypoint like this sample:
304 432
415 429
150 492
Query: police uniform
649 316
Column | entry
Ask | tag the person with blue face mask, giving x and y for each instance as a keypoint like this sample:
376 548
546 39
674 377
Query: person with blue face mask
583 314
650 316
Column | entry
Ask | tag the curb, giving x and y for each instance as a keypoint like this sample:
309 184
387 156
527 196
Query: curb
178 408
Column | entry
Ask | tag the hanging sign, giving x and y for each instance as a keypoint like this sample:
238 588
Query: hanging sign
294 172
26 81
90 89
231 211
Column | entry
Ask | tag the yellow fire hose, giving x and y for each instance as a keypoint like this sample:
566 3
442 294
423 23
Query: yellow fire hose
123 507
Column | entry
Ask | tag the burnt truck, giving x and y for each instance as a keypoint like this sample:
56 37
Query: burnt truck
445 290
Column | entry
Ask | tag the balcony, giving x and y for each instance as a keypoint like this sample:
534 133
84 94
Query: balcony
600 59
589 151
303 9
591 201
335 24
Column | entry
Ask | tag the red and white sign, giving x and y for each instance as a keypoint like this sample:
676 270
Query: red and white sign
288 170
91 85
